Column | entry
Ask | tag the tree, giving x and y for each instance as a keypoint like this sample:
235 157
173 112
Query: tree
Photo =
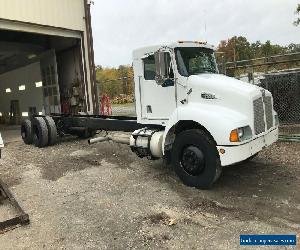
256 49
293 48
297 22
115 81
239 48
235 49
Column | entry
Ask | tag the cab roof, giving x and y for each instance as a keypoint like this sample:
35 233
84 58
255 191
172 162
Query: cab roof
142 52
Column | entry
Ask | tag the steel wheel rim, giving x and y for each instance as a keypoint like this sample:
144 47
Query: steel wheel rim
192 160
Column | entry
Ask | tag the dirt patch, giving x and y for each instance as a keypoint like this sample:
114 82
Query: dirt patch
104 197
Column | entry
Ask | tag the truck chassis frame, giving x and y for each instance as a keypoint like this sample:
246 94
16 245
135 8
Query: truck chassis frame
68 123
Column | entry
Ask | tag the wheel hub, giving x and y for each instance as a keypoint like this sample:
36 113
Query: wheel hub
192 160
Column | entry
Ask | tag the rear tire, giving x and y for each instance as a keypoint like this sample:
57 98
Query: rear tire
26 132
52 130
40 132
195 159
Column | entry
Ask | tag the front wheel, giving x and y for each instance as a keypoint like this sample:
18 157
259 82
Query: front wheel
195 159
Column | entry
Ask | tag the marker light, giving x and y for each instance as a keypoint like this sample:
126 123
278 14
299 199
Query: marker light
197 42
222 151
234 136
241 134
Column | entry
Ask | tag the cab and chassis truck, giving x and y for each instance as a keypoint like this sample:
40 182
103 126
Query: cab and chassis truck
186 112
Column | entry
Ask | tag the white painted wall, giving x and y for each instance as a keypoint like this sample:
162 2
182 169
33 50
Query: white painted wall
30 97
68 14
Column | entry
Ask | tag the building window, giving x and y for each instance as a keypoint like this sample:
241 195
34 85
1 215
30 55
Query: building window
39 84
22 87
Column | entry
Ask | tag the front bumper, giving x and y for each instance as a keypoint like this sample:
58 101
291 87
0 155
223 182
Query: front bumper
234 154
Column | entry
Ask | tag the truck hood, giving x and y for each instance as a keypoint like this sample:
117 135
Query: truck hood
220 84
226 92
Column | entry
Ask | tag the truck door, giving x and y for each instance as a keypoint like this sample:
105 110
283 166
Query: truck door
158 101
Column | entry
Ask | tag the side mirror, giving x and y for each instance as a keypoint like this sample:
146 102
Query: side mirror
161 70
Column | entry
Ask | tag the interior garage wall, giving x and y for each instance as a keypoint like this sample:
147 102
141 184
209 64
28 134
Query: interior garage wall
69 67
30 97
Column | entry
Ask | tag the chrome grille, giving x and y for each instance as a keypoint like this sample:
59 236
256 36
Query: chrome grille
269 111
259 117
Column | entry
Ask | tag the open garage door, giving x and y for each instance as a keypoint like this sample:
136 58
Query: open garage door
41 74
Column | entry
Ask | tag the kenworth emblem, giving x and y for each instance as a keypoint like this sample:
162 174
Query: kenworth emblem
206 95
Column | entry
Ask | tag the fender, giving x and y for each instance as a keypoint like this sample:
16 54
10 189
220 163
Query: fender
217 120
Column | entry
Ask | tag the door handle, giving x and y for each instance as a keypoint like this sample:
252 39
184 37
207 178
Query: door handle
149 109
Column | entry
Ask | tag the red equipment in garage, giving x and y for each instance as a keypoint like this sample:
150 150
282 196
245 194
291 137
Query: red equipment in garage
105 108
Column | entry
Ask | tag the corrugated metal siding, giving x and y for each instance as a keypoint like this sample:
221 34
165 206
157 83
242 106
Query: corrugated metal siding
67 14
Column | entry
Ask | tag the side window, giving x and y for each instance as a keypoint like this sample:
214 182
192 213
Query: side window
149 68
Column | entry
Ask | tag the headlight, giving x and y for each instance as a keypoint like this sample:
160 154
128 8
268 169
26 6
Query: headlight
241 134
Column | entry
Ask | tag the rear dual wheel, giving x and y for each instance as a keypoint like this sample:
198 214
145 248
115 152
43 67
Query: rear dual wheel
195 159
26 132
52 130
41 131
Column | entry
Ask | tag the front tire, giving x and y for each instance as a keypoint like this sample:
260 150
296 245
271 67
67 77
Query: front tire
195 159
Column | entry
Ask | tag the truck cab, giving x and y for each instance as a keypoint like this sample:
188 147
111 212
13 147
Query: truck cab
178 86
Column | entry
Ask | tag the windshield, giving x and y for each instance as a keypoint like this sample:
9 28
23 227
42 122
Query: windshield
195 60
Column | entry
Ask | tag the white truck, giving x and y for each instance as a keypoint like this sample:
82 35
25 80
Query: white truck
186 111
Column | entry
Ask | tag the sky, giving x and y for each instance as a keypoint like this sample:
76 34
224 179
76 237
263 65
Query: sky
120 26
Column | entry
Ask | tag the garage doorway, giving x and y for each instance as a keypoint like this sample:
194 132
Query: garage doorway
42 71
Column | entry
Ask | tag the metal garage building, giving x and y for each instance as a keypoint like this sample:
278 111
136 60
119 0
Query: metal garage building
46 58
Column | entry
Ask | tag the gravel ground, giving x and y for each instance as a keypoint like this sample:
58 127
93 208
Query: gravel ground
104 197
